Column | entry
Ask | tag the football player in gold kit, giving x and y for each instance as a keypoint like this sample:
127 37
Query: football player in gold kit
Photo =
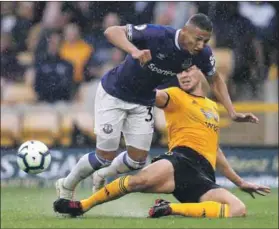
188 169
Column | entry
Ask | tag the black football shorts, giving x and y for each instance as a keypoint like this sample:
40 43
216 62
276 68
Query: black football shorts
193 174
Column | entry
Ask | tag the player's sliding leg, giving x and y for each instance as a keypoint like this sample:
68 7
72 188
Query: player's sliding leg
216 203
208 209
158 178
112 191
155 178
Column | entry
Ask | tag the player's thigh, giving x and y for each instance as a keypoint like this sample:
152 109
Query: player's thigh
138 127
109 118
221 195
157 177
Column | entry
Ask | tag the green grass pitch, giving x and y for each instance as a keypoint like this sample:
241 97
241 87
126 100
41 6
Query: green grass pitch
32 208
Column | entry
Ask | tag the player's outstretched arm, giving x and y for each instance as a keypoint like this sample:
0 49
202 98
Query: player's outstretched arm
117 35
220 90
225 169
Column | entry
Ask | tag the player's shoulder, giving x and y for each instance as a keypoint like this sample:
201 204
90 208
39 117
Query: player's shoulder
160 27
206 51
166 30
173 91
206 58
169 31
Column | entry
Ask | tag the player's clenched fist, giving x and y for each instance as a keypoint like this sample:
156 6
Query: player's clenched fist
142 55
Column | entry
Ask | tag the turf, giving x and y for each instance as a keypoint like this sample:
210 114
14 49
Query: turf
32 208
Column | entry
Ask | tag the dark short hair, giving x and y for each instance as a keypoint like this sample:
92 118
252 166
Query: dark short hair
202 21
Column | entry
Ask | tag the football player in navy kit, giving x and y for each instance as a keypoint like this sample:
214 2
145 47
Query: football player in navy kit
156 55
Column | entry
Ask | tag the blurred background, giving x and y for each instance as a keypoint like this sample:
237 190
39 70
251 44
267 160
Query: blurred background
53 55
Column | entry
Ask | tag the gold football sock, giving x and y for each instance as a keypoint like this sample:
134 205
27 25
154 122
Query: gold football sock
111 191
207 209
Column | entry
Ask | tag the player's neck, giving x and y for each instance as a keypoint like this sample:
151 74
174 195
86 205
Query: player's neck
197 91
180 42
179 39
198 94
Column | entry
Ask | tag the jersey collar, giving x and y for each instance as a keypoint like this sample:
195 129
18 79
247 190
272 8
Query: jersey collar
177 44
176 39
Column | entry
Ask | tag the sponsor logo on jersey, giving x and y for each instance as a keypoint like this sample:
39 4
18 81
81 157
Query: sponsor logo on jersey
153 68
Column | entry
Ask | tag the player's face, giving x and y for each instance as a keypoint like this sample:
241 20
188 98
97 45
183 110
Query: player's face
193 39
191 80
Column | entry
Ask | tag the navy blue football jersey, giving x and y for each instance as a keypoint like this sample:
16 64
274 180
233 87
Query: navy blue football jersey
133 83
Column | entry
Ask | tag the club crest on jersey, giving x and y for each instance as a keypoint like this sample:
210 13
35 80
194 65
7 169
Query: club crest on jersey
140 27
186 64
210 115
107 128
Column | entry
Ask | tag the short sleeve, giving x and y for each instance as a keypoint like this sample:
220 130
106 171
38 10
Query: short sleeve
173 103
207 62
139 33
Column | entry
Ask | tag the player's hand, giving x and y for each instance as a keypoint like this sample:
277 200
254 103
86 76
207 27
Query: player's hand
143 56
244 117
254 188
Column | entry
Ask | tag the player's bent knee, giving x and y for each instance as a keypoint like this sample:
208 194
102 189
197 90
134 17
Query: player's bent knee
107 144
242 210
134 161
137 154
108 155
238 209
139 141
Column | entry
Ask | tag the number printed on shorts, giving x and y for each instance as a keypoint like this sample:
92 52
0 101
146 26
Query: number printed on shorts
150 115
